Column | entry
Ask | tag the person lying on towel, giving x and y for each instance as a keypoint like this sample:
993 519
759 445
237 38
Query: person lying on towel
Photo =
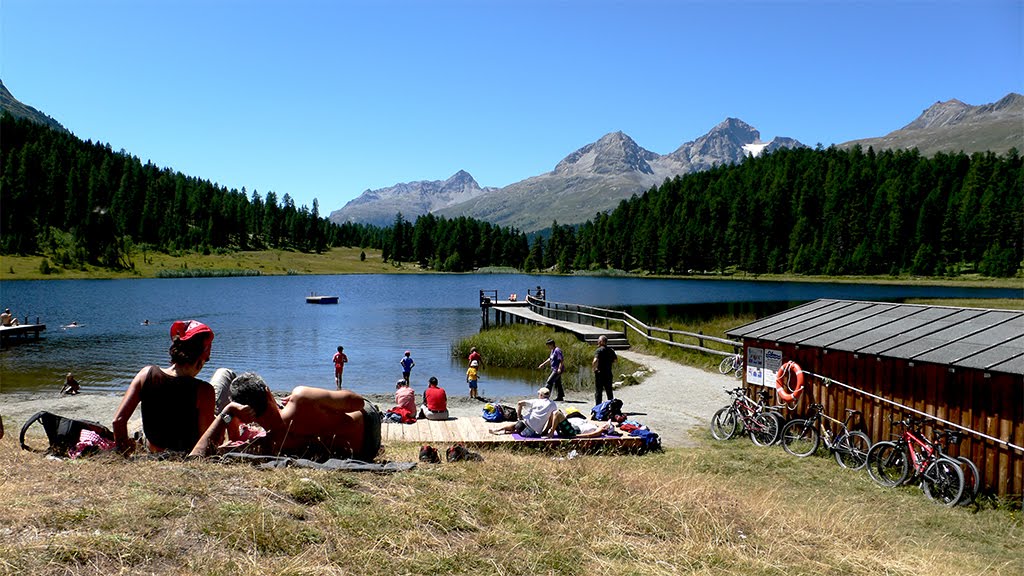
314 423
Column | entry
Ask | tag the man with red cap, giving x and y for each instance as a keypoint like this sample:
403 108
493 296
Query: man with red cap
177 407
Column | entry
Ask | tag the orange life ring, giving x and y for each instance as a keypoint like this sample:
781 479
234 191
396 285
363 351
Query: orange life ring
782 376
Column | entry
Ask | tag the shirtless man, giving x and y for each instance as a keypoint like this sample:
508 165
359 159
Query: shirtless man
314 423
8 319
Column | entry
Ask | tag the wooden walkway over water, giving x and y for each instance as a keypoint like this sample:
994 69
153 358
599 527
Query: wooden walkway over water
526 312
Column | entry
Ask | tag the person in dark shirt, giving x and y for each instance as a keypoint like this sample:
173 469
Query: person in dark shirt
176 406
604 357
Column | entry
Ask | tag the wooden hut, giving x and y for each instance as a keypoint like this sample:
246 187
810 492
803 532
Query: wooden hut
960 367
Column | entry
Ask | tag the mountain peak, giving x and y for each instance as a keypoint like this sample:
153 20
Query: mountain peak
613 153
460 178
940 114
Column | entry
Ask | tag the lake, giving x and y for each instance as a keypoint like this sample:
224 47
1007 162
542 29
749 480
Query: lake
263 323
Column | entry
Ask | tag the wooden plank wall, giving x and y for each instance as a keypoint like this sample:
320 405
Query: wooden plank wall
992 404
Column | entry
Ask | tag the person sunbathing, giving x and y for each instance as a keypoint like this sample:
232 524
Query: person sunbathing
313 423
581 427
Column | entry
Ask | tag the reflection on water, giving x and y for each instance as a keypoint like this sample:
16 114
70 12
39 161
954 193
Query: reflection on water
264 324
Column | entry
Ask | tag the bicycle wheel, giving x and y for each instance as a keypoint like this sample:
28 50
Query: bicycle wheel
851 450
766 430
943 481
737 369
724 424
726 365
972 479
800 437
888 464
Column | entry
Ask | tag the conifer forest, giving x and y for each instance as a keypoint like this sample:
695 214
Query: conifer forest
821 211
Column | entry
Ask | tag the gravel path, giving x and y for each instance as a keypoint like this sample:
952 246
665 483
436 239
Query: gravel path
671 400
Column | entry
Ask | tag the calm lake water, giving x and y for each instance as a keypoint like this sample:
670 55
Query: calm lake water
263 323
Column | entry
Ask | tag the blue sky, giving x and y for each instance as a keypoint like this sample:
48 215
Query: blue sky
321 99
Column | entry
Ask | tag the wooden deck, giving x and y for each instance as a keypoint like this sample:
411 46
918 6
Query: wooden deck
474 431
20 332
585 332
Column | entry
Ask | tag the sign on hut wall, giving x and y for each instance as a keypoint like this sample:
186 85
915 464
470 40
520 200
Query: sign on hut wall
755 366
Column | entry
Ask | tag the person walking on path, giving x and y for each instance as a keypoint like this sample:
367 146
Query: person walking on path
604 357
407 364
556 360
339 365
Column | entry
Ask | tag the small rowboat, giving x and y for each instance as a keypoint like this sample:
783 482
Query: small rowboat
314 299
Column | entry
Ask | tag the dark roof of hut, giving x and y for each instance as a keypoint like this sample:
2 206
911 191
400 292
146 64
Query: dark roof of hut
983 339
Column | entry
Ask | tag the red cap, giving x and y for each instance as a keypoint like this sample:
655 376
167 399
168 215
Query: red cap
186 329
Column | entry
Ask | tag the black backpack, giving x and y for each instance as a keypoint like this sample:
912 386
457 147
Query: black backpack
63 432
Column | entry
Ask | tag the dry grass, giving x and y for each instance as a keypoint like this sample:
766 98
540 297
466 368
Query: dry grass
722 508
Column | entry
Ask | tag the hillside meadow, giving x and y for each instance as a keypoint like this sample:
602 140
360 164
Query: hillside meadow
719 508
349 261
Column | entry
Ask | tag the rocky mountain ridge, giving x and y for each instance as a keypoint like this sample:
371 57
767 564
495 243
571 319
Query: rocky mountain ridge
953 126
592 179
18 109
379 207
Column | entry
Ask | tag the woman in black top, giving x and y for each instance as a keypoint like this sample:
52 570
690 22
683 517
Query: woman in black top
176 406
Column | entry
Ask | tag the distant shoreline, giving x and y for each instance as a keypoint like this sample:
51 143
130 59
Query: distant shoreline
340 261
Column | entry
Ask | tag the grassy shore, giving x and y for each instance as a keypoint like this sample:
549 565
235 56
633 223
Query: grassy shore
348 261
523 347
268 262
720 508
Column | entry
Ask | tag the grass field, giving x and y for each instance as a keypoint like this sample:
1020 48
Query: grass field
720 508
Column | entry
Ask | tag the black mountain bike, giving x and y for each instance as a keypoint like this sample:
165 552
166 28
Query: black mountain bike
802 438
760 421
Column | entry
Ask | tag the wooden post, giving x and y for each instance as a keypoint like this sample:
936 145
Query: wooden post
670 334
700 341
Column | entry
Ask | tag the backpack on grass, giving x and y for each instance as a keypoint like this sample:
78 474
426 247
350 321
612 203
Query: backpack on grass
62 432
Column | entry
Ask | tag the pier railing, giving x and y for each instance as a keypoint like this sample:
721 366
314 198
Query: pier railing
614 319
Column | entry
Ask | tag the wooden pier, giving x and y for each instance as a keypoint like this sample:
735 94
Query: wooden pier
21 332
475 431
535 310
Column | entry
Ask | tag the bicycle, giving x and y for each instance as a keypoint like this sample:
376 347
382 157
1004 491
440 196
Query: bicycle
761 422
972 477
912 455
801 438
732 364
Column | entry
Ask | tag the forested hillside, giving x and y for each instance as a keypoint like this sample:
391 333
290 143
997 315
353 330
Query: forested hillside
804 211
814 211
80 202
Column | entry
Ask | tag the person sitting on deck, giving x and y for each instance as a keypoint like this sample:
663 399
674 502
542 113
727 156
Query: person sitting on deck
8 319
535 417
176 406
315 423
405 397
435 402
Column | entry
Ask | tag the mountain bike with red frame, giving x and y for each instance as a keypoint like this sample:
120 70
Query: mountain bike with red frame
912 455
